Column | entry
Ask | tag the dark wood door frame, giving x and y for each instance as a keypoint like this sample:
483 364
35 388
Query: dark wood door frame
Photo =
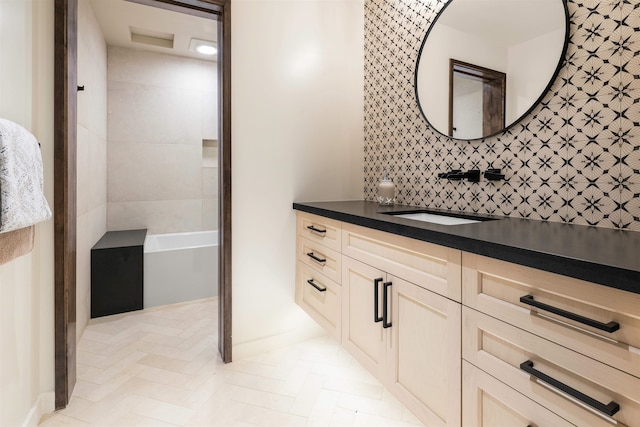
65 181
64 194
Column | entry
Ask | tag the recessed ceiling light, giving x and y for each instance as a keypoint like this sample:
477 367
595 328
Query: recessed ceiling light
206 50
204 47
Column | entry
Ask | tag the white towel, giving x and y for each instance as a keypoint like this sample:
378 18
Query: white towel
22 201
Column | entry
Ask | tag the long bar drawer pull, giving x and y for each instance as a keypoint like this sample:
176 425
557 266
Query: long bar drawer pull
312 283
607 327
376 300
316 259
609 409
317 230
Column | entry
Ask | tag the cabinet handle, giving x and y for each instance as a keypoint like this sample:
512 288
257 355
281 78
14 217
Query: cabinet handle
607 327
317 230
316 259
385 303
376 300
312 283
609 409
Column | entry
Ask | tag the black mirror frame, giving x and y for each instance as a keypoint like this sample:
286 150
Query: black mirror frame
544 92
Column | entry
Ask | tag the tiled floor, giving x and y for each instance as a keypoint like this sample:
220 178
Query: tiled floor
160 367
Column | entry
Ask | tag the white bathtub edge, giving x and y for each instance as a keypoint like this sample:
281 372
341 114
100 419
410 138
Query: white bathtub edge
178 241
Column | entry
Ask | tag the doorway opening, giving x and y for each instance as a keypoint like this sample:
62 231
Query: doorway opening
476 100
66 177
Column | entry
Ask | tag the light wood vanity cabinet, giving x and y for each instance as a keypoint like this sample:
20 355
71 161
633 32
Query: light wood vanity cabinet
466 340
566 344
412 346
609 327
398 324
400 316
318 271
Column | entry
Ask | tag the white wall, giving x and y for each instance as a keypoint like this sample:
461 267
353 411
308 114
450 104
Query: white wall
531 66
92 154
161 108
297 132
26 284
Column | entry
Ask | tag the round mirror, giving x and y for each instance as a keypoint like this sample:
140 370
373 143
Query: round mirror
485 64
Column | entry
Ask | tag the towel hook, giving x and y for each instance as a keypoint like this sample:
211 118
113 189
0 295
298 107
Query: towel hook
80 88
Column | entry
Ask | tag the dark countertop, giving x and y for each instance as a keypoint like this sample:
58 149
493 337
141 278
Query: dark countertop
605 256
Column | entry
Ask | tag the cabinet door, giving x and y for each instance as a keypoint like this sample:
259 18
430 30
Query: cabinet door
488 402
424 352
362 336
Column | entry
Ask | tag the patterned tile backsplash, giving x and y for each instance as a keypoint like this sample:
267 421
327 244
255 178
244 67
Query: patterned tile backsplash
575 158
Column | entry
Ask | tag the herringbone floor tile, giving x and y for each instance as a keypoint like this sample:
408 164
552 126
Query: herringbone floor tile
160 367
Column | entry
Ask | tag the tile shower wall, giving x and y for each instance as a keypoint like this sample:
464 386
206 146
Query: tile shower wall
574 159
91 154
161 108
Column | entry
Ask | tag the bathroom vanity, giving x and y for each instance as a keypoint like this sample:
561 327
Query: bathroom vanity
499 322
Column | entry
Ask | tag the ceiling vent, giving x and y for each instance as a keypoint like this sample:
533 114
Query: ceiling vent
152 38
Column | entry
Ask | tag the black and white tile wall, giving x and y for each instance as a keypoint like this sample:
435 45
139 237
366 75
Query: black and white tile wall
575 158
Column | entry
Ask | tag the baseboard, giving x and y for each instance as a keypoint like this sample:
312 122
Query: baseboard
262 345
43 405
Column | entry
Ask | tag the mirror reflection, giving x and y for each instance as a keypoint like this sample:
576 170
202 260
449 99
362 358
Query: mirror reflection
484 64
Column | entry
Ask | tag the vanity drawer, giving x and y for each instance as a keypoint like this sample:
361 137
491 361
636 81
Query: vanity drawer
520 359
430 266
487 402
320 258
319 230
506 291
320 297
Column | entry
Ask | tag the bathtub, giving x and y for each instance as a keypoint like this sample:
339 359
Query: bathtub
180 267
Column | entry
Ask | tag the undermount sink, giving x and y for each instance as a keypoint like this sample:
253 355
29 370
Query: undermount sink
438 217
